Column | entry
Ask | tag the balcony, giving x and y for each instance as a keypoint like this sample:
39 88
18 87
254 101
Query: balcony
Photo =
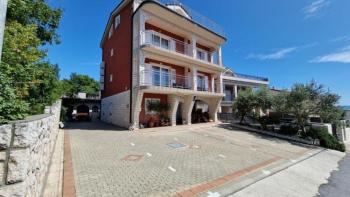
256 78
164 42
164 78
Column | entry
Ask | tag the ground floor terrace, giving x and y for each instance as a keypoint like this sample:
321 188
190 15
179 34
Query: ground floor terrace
198 160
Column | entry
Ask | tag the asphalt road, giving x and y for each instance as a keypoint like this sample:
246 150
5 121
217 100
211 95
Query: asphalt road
339 182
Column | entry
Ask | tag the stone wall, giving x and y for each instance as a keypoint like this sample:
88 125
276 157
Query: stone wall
25 152
115 109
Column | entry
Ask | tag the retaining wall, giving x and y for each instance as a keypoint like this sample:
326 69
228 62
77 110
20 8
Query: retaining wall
25 152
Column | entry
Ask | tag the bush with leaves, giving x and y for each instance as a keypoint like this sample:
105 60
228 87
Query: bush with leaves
326 140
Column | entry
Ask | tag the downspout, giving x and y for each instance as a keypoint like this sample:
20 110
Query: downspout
3 9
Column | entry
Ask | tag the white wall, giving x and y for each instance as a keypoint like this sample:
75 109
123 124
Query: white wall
115 109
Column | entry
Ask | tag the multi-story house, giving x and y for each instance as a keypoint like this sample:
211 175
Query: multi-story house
233 83
158 52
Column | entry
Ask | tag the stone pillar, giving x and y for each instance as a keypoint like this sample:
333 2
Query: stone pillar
236 91
136 109
212 57
219 85
187 109
220 56
194 77
212 83
3 8
214 105
194 46
173 101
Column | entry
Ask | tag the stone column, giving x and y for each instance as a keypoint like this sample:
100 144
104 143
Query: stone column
212 83
136 109
187 109
236 91
194 77
219 85
220 56
3 9
214 105
173 101
194 46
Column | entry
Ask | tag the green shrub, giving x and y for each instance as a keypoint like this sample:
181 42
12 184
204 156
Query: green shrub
289 129
326 140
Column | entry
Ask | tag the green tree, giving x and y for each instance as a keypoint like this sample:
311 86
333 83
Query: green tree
30 25
244 104
79 83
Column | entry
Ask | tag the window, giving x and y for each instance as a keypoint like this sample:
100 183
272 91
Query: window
116 21
149 101
110 78
161 76
202 82
110 32
202 55
160 41
112 52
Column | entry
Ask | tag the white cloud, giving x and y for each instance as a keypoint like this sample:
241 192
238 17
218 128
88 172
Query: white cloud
280 54
341 56
341 39
315 7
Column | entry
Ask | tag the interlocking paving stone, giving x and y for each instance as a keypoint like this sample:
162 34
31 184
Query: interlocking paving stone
99 169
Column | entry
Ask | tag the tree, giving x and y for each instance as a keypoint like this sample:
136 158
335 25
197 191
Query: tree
79 83
30 25
244 104
305 100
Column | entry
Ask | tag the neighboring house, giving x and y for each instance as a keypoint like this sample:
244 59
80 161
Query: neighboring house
233 83
82 107
347 112
160 53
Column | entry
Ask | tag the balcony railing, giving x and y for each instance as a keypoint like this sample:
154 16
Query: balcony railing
194 16
159 40
156 39
164 79
244 76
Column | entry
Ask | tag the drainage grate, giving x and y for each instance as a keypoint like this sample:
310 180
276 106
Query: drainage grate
176 145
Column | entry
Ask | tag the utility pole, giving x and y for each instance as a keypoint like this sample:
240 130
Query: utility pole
3 9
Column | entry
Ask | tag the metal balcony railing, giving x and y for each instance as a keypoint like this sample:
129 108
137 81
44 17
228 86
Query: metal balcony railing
164 79
244 76
194 16
156 39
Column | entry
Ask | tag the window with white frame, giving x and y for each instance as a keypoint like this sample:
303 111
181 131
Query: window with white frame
161 41
110 34
116 21
161 76
202 54
150 101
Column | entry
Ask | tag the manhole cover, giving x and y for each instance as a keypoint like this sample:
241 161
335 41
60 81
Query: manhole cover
176 145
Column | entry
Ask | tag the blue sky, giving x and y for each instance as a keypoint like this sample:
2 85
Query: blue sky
286 41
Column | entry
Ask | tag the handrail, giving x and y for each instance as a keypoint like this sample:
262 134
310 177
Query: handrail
250 77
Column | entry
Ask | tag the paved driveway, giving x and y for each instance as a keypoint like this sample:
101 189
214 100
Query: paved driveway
173 161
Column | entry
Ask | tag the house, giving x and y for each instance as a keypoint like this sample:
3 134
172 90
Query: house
234 82
347 112
153 53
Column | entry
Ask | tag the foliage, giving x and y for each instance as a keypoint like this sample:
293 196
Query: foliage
249 100
244 104
11 108
289 129
158 107
79 83
326 139
305 100
31 83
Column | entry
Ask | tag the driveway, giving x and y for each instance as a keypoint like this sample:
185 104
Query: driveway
174 161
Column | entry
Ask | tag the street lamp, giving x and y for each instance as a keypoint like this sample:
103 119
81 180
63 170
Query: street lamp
3 9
